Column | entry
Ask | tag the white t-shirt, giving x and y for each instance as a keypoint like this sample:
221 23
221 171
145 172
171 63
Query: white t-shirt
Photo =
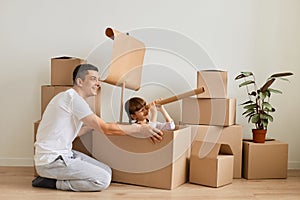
59 126
163 126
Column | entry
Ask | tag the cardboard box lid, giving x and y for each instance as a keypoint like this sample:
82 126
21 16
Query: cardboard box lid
65 58
127 60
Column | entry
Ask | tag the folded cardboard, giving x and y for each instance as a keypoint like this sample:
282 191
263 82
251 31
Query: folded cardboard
230 135
62 70
49 91
219 112
126 61
214 169
138 161
214 83
82 143
265 160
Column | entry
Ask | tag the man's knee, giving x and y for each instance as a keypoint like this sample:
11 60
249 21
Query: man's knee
102 182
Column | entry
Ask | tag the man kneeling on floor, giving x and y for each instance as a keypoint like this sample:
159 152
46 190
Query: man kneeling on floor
58 165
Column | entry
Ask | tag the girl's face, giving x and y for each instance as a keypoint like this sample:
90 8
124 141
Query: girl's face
141 115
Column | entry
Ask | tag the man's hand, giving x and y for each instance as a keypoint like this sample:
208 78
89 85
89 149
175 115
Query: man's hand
146 131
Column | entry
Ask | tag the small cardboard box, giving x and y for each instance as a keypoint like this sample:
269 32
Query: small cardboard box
230 135
265 160
62 70
138 161
219 112
214 83
215 169
82 143
49 91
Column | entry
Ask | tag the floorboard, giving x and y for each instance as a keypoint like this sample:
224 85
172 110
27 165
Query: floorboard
15 184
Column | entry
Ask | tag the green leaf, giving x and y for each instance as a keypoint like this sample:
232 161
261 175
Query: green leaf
247 73
251 106
243 75
275 91
269 117
246 83
284 79
268 93
248 111
263 116
262 95
269 110
282 74
267 105
249 114
265 123
247 102
255 118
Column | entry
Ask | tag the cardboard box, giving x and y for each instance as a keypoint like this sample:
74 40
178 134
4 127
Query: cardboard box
265 160
82 143
219 112
49 91
214 83
215 169
62 70
230 135
138 161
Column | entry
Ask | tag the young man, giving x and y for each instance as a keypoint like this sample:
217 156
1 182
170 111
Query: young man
57 164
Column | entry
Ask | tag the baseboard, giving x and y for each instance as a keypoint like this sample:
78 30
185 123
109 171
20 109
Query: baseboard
16 162
29 162
294 165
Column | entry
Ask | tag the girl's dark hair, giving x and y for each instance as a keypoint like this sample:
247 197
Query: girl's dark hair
134 104
81 70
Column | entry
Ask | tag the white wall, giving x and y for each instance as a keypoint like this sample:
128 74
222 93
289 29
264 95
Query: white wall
261 36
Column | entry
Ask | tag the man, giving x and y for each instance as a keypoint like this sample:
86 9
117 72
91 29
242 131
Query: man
57 164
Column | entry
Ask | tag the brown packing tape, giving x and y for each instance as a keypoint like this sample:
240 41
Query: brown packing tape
127 60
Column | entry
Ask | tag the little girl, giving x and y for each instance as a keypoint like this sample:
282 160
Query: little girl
138 112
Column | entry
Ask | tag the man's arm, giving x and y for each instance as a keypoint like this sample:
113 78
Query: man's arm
142 131
84 129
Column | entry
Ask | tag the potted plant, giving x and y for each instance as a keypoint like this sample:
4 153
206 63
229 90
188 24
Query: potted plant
258 108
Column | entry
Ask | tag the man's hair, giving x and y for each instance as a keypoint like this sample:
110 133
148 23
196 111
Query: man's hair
81 70
134 104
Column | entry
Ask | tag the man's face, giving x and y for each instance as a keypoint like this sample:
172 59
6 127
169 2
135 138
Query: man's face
91 83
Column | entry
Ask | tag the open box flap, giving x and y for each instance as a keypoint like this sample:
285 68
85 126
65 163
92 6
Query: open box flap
126 61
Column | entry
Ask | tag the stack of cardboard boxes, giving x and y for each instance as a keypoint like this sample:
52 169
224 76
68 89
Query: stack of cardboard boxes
216 155
61 80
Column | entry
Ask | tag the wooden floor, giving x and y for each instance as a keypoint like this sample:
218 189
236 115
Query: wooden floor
15 183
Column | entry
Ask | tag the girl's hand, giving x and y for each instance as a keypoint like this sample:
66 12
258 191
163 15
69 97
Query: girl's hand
152 106
158 106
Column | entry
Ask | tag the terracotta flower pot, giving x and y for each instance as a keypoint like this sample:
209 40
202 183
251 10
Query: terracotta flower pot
259 135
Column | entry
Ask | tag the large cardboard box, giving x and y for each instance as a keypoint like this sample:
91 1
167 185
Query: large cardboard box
214 83
230 135
265 160
219 112
49 91
138 161
82 143
215 169
62 70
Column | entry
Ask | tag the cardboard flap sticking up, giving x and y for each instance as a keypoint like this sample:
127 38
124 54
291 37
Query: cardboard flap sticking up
127 60
210 150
